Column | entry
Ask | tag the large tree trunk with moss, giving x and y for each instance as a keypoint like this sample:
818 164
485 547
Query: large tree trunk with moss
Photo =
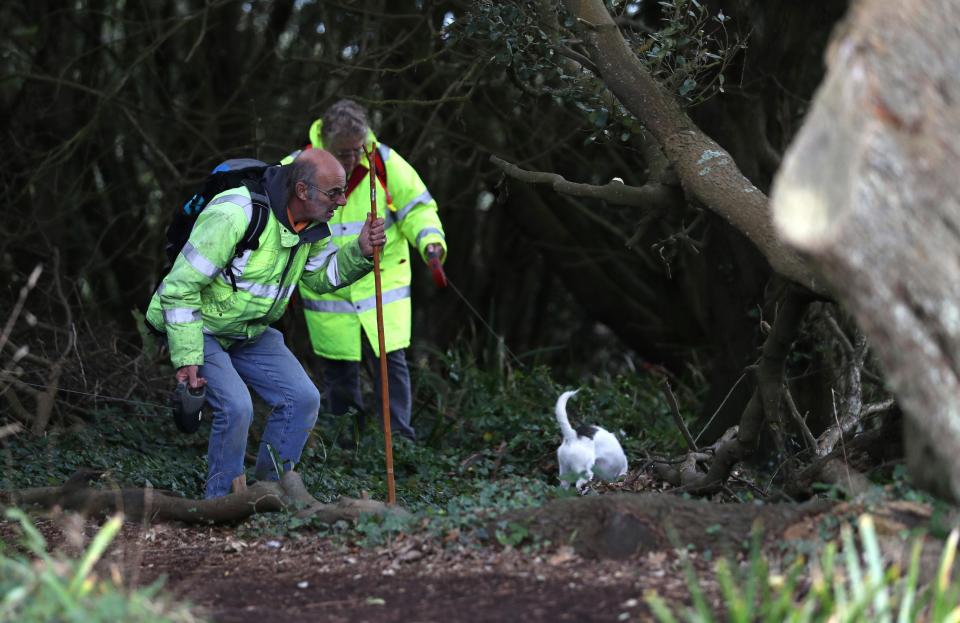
869 192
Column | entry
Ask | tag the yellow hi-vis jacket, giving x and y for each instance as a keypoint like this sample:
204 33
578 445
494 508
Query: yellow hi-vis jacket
335 320
211 290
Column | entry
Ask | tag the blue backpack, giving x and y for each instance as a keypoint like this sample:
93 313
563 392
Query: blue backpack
228 174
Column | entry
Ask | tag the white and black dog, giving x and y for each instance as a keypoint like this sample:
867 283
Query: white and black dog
587 451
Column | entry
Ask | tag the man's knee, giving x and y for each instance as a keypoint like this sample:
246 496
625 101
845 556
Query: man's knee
238 409
306 400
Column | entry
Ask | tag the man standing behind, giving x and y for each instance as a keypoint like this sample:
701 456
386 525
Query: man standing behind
215 308
343 324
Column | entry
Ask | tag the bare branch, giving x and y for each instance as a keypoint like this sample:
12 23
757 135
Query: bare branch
137 504
573 55
152 144
835 433
878 407
801 423
677 417
46 400
19 411
616 192
10 429
18 306
707 171
838 332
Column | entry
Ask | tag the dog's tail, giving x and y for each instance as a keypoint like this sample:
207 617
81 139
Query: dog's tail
561 413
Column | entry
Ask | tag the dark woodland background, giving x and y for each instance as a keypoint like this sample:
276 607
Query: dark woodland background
114 112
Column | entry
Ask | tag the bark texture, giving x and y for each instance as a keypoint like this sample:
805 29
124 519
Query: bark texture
869 192
706 170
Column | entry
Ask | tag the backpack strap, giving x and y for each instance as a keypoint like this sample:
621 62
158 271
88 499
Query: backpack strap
259 215
258 219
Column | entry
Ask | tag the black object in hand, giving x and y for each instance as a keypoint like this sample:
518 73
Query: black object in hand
187 404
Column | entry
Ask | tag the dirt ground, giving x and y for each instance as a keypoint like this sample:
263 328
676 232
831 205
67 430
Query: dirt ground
311 578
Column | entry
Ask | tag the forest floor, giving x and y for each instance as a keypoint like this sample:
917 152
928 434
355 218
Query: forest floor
303 577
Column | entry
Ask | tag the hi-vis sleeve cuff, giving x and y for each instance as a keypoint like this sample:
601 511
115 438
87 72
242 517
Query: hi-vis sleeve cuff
185 341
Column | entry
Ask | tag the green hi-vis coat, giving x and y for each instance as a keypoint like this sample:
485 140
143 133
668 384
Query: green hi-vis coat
335 319
197 296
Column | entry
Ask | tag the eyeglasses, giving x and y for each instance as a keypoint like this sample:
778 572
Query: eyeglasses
344 154
331 194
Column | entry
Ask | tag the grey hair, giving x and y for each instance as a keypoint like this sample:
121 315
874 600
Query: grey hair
302 170
344 118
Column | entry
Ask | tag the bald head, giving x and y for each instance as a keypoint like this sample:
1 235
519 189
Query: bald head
315 174
310 164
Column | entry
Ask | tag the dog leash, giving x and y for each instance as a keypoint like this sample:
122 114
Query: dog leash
99 396
486 325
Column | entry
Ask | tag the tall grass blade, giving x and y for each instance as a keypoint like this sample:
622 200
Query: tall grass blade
941 588
874 560
906 613
99 544
659 607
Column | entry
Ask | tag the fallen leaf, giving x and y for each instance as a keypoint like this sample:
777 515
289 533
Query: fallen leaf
451 536
564 555
410 555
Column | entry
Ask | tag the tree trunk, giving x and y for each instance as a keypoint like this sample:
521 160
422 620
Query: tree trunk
868 191
705 169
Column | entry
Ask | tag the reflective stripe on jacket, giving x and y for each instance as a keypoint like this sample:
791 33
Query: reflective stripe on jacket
336 321
209 290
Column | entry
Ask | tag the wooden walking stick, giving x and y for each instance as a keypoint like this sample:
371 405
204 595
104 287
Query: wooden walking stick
384 387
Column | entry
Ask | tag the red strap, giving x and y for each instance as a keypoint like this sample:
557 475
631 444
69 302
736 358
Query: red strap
361 172
355 178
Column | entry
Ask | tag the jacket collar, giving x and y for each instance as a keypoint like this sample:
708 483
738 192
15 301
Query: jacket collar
275 185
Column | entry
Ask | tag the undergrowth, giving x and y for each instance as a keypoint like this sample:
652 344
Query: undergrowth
846 581
488 443
475 426
44 587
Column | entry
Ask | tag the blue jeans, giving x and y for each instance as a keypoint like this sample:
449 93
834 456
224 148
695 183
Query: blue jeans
342 381
271 370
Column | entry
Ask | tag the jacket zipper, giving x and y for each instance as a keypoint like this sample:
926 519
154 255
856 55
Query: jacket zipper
283 277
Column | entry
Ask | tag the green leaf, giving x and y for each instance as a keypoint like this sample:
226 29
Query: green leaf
688 85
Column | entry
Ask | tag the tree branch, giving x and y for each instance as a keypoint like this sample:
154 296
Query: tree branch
147 504
808 437
677 417
654 196
705 169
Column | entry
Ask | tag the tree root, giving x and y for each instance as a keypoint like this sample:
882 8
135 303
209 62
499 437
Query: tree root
289 493
764 406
